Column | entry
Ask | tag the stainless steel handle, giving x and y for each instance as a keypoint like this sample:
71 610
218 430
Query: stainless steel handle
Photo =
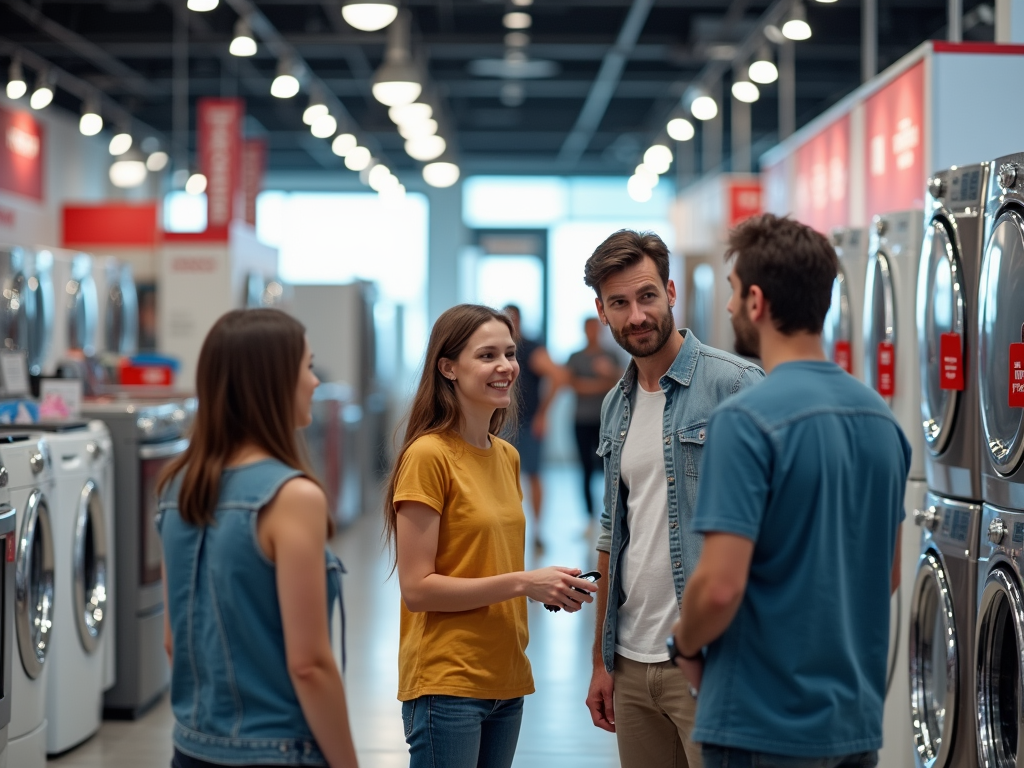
997 531
37 461
163 450
928 518
95 450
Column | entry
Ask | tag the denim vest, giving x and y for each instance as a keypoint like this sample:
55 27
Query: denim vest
698 380
232 696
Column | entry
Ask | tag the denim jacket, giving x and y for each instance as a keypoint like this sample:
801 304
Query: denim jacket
697 381
232 696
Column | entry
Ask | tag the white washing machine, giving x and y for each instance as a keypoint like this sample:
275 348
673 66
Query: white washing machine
31 485
890 363
842 335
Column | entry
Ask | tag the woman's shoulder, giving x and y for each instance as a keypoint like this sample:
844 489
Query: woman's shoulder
504 448
430 446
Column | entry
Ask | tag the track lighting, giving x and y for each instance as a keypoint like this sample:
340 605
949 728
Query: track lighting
680 129
369 17
16 85
397 82
243 43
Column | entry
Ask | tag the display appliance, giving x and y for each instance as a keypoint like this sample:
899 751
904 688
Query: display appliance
118 307
842 334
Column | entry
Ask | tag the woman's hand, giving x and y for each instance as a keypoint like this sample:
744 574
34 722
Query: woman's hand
554 586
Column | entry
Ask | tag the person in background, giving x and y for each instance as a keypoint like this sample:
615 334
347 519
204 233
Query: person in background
453 511
790 597
653 427
249 581
593 371
539 380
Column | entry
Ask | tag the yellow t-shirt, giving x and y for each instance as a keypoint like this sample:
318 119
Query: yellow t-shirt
480 653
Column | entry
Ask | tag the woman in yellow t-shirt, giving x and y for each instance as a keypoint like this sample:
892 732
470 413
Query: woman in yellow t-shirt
454 512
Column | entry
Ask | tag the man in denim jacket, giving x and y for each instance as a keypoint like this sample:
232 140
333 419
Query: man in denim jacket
653 427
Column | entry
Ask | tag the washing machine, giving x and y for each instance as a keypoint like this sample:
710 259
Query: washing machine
41 325
118 308
15 297
947 307
941 641
75 304
8 545
842 333
30 482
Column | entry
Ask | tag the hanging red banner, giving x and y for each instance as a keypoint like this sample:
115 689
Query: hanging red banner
886 364
894 145
1017 375
219 124
844 356
951 356
21 154
822 178
254 164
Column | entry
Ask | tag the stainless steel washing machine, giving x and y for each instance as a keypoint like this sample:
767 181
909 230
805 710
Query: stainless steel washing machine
942 624
947 312
16 299
842 334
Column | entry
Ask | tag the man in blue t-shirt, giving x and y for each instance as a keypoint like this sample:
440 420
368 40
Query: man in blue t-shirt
785 619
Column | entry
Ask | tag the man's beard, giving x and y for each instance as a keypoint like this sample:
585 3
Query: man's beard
748 341
651 345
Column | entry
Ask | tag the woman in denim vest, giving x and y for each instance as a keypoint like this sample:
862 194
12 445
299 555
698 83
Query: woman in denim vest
249 581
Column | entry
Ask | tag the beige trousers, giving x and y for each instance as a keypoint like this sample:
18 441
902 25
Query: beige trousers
654 714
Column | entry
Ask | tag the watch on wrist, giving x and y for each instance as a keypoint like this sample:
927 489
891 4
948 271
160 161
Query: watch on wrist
674 652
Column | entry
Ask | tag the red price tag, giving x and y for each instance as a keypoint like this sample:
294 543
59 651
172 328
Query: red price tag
10 548
886 364
844 356
951 362
1017 375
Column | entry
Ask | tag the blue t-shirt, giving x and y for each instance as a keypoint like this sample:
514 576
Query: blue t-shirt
811 466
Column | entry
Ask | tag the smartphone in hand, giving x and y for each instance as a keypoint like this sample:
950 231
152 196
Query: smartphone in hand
591 576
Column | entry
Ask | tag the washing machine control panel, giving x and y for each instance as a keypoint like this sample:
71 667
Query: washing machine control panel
966 189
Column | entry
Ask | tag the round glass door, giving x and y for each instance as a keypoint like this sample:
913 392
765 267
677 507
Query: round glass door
838 322
90 567
940 310
41 323
701 304
1001 323
15 298
933 663
1000 638
33 585
879 314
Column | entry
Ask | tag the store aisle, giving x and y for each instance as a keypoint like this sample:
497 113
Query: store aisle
557 732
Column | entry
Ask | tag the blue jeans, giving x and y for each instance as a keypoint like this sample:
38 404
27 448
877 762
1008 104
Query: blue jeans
728 757
458 732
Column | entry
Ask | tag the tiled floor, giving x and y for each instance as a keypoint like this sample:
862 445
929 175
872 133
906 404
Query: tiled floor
557 732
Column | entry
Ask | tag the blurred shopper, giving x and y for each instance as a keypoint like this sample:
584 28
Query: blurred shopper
249 580
454 512
653 426
539 380
801 550
593 371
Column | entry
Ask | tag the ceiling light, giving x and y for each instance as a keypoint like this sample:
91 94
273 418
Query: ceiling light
285 85
517 20
410 113
369 17
763 70
441 175
745 91
43 94
525 3
157 161
324 126
680 129
658 158
379 177
90 123
243 43
316 109
397 82
196 184
129 170
425 148
638 189
646 174
202 6
120 144
704 108
343 144
357 159
797 27
517 39
16 85
426 127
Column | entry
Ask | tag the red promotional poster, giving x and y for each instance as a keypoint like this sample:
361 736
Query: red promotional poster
254 164
894 145
886 364
822 178
219 124
21 154
844 356
951 368
1017 375
744 201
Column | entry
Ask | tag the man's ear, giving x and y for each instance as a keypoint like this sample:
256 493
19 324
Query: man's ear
757 305
600 310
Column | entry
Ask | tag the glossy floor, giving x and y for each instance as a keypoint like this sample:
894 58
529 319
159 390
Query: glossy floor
557 731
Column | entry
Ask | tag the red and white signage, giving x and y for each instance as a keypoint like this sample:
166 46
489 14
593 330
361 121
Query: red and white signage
1017 375
254 164
843 355
744 201
886 365
951 357
21 154
894 145
822 178
219 123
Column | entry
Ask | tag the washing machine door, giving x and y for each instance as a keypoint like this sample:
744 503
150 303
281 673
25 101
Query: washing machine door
15 298
837 333
81 308
40 327
934 671
90 567
122 314
941 308
701 306
33 585
1000 640
1001 323
880 326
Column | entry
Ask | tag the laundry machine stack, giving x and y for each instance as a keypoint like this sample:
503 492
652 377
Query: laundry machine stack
842 336
944 591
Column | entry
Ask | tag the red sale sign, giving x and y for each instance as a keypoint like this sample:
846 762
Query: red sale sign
21 154
844 356
219 123
886 365
254 165
744 201
1017 375
894 145
951 362
822 178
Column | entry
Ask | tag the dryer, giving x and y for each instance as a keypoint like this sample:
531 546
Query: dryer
842 333
30 482
941 641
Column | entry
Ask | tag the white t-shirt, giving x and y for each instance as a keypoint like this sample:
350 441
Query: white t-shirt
650 609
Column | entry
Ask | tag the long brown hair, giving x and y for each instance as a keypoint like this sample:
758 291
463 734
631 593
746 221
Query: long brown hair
435 408
245 382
